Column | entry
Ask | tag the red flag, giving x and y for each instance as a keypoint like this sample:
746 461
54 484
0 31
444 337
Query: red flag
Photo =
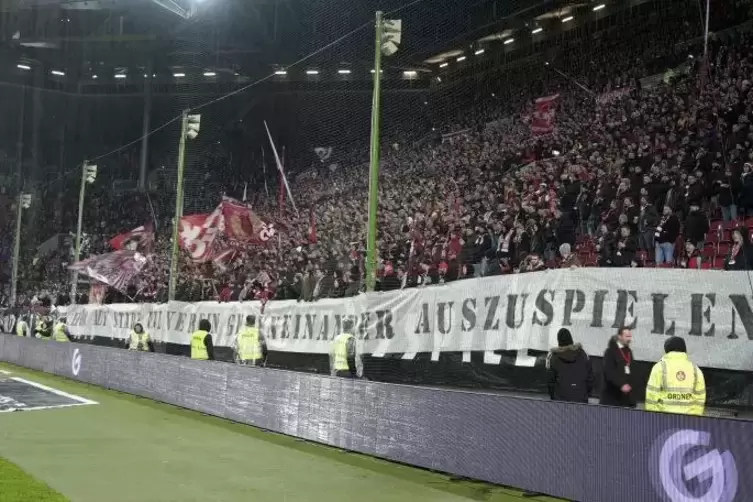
312 228
115 269
542 121
140 238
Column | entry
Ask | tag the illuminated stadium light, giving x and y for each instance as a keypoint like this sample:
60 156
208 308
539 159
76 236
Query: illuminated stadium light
94 77
179 75
146 75
537 30
281 72
599 7
23 67
479 52
58 73
509 41
380 71
343 72
210 74
410 73
461 58
120 75
444 65
567 19
312 72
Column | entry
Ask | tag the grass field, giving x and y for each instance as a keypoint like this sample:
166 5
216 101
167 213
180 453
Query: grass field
132 449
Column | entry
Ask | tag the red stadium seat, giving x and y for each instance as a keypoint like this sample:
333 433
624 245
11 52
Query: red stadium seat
706 265
719 263
708 252
714 225
723 249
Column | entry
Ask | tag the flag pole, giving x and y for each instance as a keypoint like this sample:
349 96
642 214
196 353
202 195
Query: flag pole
371 252
281 169
77 248
178 207
16 251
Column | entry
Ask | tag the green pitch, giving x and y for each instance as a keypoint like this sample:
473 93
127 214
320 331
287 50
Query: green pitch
132 449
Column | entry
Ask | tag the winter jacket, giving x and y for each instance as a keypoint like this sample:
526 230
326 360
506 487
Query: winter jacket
696 226
570 377
615 376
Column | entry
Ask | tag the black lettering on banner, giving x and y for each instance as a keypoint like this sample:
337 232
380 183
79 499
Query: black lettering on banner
231 324
577 297
324 330
384 325
338 327
152 321
100 317
625 307
309 328
363 326
444 312
597 318
697 314
297 326
273 327
170 316
180 322
192 323
285 326
469 314
659 321
545 307
742 308
512 301
215 320
422 326
491 303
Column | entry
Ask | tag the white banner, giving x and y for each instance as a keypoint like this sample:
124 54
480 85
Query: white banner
710 309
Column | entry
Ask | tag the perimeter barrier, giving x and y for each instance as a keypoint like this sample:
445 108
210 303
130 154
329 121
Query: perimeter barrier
577 452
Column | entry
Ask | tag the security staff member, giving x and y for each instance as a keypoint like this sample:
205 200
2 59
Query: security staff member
343 354
250 346
22 327
201 342
43 329
676 385
140 339
60 333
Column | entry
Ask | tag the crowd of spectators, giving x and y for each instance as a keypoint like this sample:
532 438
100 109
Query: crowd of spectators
639 172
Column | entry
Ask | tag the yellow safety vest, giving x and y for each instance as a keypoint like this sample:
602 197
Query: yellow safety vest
58 334
676 385
139 341
249 348
40 329
21 328
341 351
198 346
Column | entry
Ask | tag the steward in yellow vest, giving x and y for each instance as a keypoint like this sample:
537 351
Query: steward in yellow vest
22 327
140 339
60 333
250 346
676 385
202 348
43 329
343 354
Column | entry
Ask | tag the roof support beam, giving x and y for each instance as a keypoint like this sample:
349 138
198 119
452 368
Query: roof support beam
173 7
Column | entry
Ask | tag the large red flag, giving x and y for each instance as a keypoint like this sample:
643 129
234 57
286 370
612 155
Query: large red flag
542 121
116 269
138 239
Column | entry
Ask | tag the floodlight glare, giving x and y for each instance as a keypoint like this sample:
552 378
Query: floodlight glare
179 75
509 41
343 72
410 73
444 65
479 52
599 7
537 30
120 75
58 73
210 74
23 67
567 19
281 72
461 58
94 77
312 72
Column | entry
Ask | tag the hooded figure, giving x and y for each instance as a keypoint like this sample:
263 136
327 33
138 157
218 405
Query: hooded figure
570 377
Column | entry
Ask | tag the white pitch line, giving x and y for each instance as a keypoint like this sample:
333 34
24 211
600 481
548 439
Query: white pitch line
37 408
80 399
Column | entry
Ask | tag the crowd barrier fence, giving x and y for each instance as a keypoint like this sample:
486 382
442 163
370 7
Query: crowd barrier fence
573 451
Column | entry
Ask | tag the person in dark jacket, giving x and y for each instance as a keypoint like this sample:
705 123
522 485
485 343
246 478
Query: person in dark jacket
570 377
618 381
665 236
696 226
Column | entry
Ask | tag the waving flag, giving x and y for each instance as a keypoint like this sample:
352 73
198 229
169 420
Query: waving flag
542 121
139 239
116 269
